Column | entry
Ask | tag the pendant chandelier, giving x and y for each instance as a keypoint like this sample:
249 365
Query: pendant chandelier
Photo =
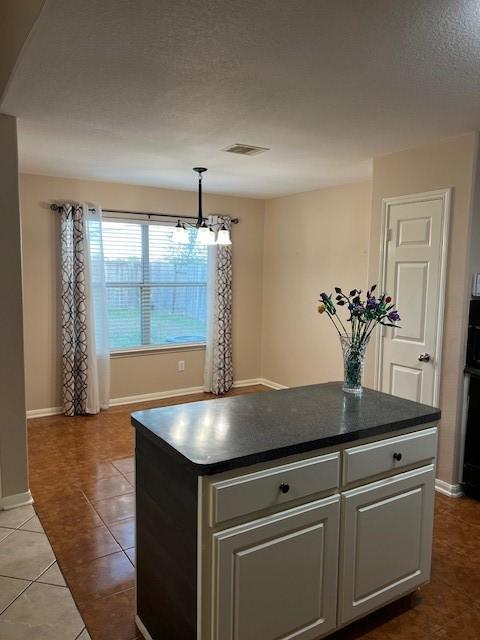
207 234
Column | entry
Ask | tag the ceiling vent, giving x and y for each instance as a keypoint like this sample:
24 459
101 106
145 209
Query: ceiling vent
245 149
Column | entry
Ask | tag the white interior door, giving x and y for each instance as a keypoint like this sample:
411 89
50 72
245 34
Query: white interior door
414 265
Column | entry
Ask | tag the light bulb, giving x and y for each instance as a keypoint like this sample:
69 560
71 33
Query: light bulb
205 235
180 234
223 236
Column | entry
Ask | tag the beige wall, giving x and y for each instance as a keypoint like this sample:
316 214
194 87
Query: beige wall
13 445
313 241
140 374
286 251
316 240
449 163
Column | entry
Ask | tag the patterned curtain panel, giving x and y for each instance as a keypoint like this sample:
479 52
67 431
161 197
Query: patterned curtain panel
86 353
218 360
74 310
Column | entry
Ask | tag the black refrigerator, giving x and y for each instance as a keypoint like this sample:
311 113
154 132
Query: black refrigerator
471 462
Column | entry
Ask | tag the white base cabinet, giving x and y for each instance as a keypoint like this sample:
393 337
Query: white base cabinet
276 577
386 541
280 571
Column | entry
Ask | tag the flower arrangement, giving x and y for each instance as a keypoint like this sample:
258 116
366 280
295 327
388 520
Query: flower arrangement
364 315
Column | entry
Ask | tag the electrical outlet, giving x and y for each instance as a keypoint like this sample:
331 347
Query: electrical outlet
181 365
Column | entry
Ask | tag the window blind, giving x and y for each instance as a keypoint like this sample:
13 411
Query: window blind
156 288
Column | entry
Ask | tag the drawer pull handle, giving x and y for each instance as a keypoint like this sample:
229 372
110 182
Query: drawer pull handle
284 487
397 456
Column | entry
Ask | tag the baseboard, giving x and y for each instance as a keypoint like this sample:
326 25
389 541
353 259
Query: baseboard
186 391
43 413
17 500
158 395
271 384
450 490
142 628
248 382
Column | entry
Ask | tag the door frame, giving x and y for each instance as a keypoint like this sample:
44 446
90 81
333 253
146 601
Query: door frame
445 195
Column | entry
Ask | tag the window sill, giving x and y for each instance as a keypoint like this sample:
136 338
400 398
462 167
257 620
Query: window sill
148 351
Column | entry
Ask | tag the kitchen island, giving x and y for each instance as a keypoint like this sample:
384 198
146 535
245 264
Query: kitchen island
283 514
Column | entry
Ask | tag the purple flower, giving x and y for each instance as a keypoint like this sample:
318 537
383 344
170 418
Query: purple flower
393 316
371 303
358 309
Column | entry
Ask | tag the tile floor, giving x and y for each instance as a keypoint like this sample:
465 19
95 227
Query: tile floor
35 602
82 480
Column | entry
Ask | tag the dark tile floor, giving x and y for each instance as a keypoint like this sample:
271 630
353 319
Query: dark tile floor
82 480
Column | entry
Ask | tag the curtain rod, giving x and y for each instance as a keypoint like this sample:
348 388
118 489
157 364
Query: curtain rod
57 207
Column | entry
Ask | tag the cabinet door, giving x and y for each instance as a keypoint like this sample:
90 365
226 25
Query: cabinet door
276 578
386 541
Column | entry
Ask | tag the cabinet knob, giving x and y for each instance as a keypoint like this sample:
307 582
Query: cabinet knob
284 487
397 456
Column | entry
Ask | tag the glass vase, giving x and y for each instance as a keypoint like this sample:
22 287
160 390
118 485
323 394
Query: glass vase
353 360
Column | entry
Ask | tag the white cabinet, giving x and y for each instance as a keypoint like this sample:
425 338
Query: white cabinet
386 541
283 560
275 578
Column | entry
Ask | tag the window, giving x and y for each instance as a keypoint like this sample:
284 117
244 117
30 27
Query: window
156 288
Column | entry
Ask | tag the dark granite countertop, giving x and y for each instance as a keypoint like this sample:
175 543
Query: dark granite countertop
215 435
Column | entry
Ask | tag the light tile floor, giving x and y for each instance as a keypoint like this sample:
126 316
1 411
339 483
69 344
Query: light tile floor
35 603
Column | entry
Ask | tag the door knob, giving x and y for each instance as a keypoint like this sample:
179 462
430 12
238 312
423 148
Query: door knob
424 357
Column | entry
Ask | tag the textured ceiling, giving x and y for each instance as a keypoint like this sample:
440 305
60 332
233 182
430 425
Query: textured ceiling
140 91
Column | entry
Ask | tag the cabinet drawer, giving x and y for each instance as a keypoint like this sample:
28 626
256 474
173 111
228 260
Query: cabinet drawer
393 453
256 491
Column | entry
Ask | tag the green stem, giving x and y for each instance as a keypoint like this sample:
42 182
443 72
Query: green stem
371 330
365 329
332 321
343 326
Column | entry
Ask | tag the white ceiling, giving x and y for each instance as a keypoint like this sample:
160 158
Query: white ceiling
140 91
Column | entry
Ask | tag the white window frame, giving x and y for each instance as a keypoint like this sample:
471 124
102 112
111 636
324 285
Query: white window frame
147 349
